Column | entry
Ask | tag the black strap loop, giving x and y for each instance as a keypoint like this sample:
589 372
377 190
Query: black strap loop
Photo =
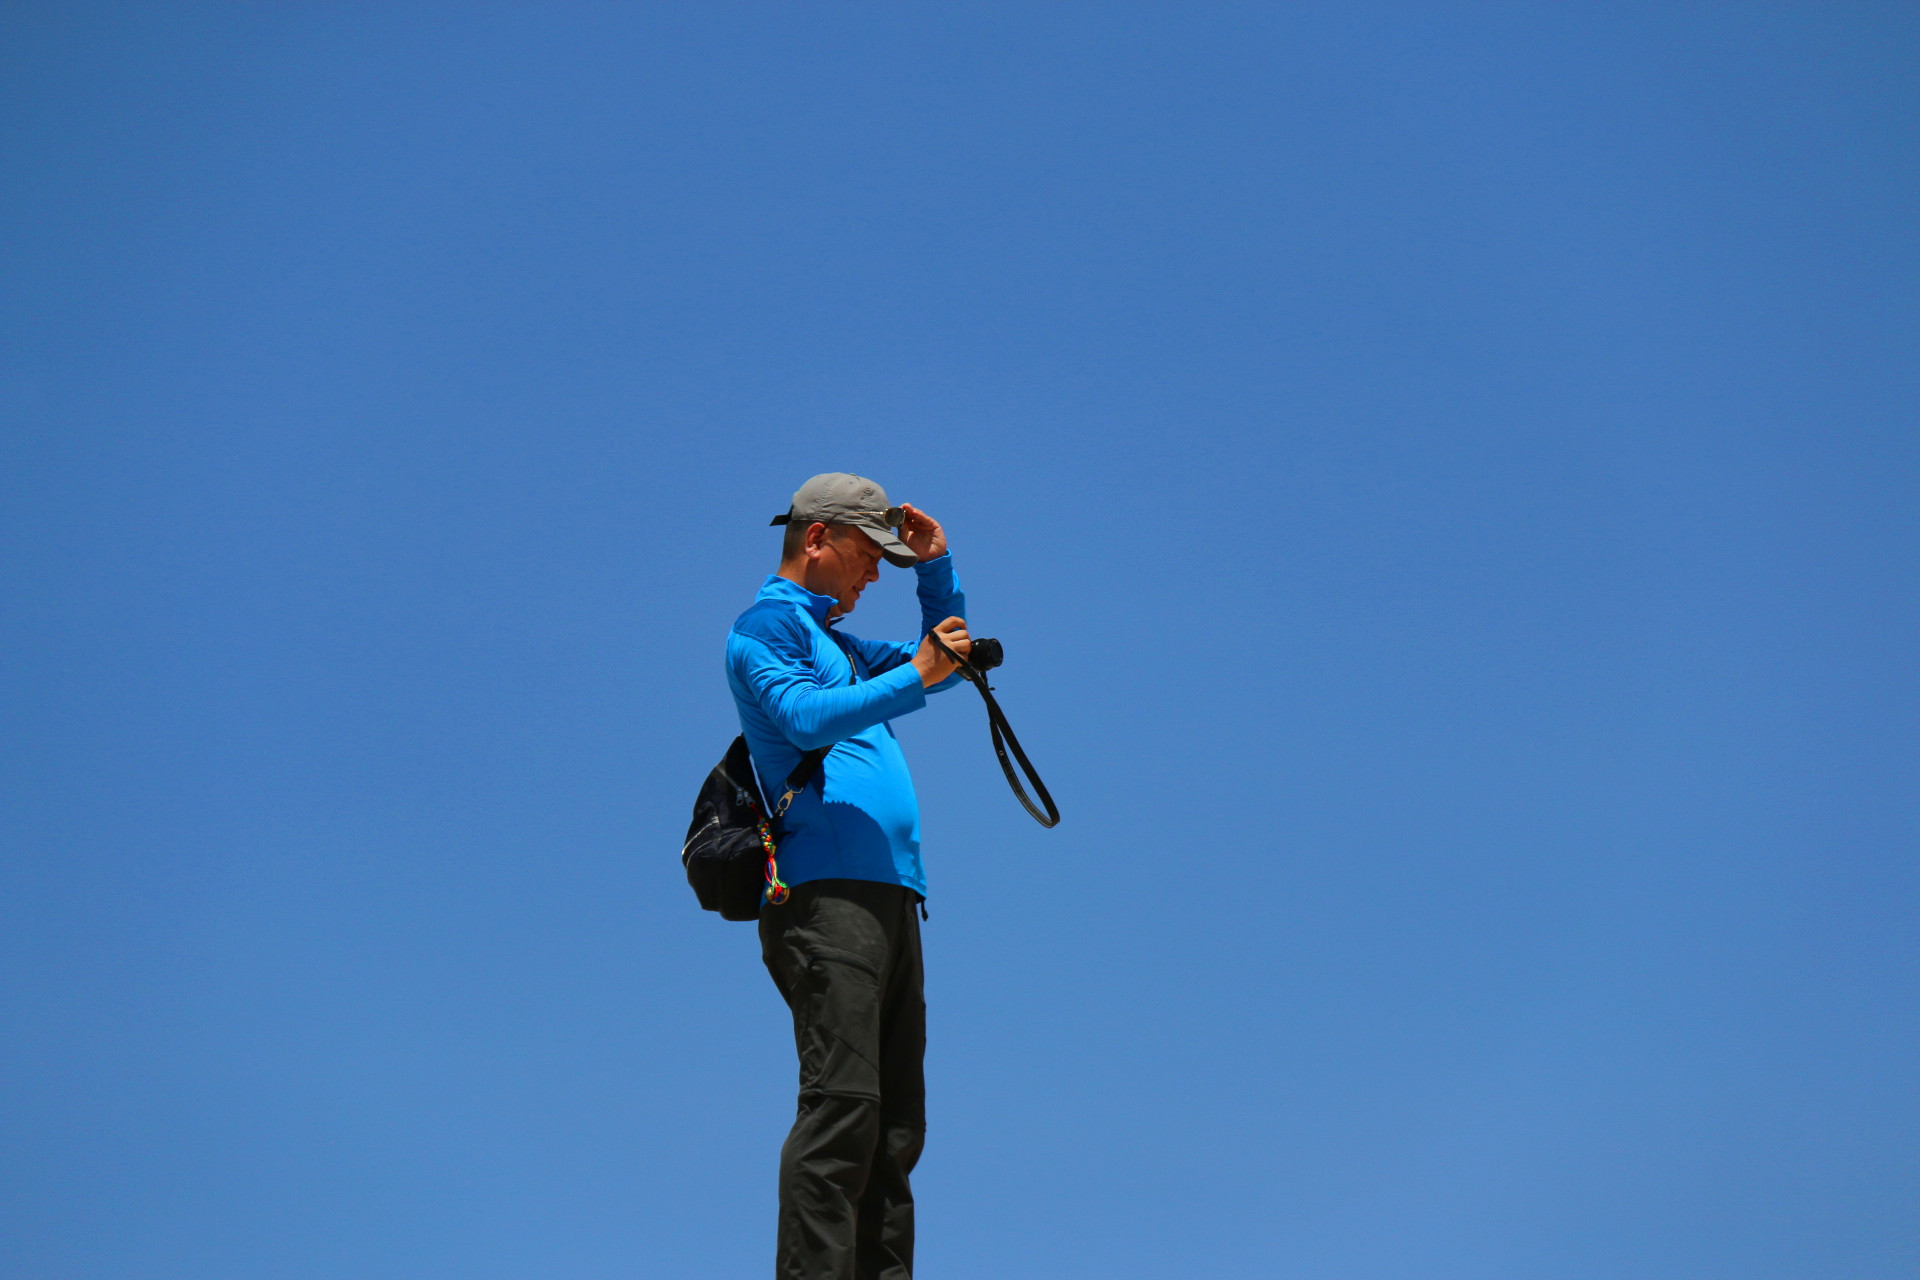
1003 741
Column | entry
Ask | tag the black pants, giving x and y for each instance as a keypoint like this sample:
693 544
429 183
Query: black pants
846 957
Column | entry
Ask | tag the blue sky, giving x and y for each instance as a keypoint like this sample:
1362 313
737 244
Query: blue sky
1444 476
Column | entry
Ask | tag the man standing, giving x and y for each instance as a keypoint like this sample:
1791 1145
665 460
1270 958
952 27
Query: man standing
844 946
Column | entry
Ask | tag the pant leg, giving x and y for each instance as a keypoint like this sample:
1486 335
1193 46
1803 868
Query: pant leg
845 955
824 1168
885 1247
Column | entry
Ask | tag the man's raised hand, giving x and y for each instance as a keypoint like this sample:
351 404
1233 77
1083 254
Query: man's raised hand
922 533
933 665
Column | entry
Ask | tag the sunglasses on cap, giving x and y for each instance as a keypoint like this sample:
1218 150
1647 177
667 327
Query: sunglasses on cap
893 518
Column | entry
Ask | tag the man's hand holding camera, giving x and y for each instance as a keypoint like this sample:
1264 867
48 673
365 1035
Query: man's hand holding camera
935 666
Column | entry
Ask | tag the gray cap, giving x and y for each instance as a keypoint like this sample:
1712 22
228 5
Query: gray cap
839 498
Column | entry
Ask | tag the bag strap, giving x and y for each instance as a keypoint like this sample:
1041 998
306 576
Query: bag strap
810 761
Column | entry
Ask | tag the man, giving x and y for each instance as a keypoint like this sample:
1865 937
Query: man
844 946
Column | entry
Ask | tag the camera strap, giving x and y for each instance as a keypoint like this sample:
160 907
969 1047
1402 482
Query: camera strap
1004 741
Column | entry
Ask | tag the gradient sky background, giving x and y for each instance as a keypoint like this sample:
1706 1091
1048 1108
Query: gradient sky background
1445 477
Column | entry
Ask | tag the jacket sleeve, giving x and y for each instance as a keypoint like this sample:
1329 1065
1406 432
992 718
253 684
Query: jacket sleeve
940 594
776 666
940 599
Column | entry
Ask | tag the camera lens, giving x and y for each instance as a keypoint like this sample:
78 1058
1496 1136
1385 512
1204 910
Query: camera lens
985 654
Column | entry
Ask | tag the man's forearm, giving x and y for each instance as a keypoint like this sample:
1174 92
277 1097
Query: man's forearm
939 592
811 717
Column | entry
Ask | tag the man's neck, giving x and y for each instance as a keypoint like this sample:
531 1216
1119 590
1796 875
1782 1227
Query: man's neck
796 573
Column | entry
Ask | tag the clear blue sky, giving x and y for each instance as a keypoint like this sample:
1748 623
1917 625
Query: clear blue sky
1445 477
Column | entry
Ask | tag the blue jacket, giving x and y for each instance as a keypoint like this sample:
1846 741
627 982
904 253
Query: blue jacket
795 691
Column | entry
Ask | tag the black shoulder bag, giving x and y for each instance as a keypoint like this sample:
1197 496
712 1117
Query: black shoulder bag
729 853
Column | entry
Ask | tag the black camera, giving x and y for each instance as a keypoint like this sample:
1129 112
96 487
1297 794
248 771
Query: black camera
985 654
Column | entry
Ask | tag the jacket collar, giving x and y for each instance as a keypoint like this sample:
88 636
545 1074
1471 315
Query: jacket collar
779 588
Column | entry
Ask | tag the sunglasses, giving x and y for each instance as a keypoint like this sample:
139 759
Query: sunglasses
893 517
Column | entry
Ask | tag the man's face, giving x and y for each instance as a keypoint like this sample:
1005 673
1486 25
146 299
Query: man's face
847 562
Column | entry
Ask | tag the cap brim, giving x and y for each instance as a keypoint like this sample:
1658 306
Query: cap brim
890 546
